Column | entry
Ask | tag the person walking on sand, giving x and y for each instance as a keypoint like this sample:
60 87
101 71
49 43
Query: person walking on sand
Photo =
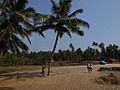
89 67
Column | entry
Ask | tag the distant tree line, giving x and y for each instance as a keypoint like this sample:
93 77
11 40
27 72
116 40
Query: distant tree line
111 51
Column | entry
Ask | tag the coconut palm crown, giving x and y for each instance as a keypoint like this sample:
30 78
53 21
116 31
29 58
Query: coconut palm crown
62 21
15 22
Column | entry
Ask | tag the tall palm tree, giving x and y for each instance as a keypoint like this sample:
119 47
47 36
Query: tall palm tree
62 21
71 47
102 47
94 44
72 50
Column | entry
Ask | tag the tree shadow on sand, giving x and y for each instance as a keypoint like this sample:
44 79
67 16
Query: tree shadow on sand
6 88
21 75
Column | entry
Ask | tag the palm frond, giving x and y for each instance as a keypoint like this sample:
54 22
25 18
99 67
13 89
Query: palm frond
68 22
19 43
29 12
64 30
23 19
48 19
80 32
44 27
29 9
20 5
55 7
23 32
77 31
44 19
75 13
12 43
65 6
82 23
38 18
77 22
41 29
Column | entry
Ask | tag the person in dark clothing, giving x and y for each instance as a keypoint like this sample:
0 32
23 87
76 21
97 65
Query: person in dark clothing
43 71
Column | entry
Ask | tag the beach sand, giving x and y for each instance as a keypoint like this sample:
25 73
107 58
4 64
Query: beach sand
61 78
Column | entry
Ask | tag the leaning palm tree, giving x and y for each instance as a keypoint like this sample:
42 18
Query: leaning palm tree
62 21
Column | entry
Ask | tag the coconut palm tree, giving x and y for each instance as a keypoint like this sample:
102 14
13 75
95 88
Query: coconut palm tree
62 22
102 47
71 47
94 44
72 50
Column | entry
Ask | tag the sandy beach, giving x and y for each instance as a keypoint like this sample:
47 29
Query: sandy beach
61 78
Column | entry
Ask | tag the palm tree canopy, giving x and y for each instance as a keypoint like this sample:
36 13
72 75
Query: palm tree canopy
15 20
61 20
71 47
94 43
101 45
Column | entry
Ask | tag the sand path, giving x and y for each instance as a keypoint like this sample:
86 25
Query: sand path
61 78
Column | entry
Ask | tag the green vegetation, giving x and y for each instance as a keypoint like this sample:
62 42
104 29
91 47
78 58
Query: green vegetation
69 55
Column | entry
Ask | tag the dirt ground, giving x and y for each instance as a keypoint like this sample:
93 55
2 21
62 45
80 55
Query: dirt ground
61 78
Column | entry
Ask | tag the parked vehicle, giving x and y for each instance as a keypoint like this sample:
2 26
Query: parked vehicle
103 61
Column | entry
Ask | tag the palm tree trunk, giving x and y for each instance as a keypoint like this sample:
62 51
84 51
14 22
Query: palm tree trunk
1 54
13 59
54 47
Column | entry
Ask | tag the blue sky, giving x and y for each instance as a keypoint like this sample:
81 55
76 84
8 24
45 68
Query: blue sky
102 15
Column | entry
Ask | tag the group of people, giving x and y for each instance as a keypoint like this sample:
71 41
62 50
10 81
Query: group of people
89 67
